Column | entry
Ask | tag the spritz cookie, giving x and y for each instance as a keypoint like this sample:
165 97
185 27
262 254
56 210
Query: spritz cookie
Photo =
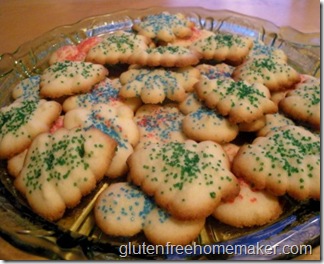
70 77
104 92
304 102
272 72
239 101
27 89
114 119
165 56
250 208
223 48
187 179
286 160
164 26
155 85
117 48
61 168
22 121
124 210
157 123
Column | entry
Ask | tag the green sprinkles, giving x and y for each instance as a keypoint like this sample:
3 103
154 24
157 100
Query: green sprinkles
56 161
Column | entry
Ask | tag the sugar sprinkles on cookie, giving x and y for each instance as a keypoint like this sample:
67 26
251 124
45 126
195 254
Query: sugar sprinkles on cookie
196 125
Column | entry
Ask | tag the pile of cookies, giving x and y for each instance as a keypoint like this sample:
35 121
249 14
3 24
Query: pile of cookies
167 130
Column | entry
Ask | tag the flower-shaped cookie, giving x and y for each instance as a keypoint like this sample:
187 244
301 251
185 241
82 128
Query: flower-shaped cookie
166 56
271 71
250 208
153 86
124 210
304 102
70 77
202 123
274 121
22 121
62 167
114 119
187 179
158 123
116 48
241 101
223 47
28 89
164 26
104 92
286 160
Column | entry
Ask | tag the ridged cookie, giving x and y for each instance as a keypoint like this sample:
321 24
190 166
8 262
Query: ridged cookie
286 160
272 72
155 85
187 179
223 48
249 208
202 123
104 92
27 89
164 26
70 77
124 210
117 47
22 121
304 102
240 101
114 119
165 56
159 124
61 168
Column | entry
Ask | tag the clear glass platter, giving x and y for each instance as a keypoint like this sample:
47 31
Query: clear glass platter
75 236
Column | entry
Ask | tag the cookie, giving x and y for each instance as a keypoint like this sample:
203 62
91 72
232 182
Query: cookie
74 52
164 26
70 77
104 92
165 56
22 121
259 48
250 208
206 124
158 123
16 163
187 179
253 126
124 210
277 96
272 72
27 89
286 160
197 33
223 48
190 104
304 102
239 101
272 122
230 150
114 119
61 168
215 71
117 47
153 86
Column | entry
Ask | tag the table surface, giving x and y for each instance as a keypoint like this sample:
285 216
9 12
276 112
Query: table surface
22 21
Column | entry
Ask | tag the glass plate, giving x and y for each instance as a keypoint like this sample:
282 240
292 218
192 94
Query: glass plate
75 236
